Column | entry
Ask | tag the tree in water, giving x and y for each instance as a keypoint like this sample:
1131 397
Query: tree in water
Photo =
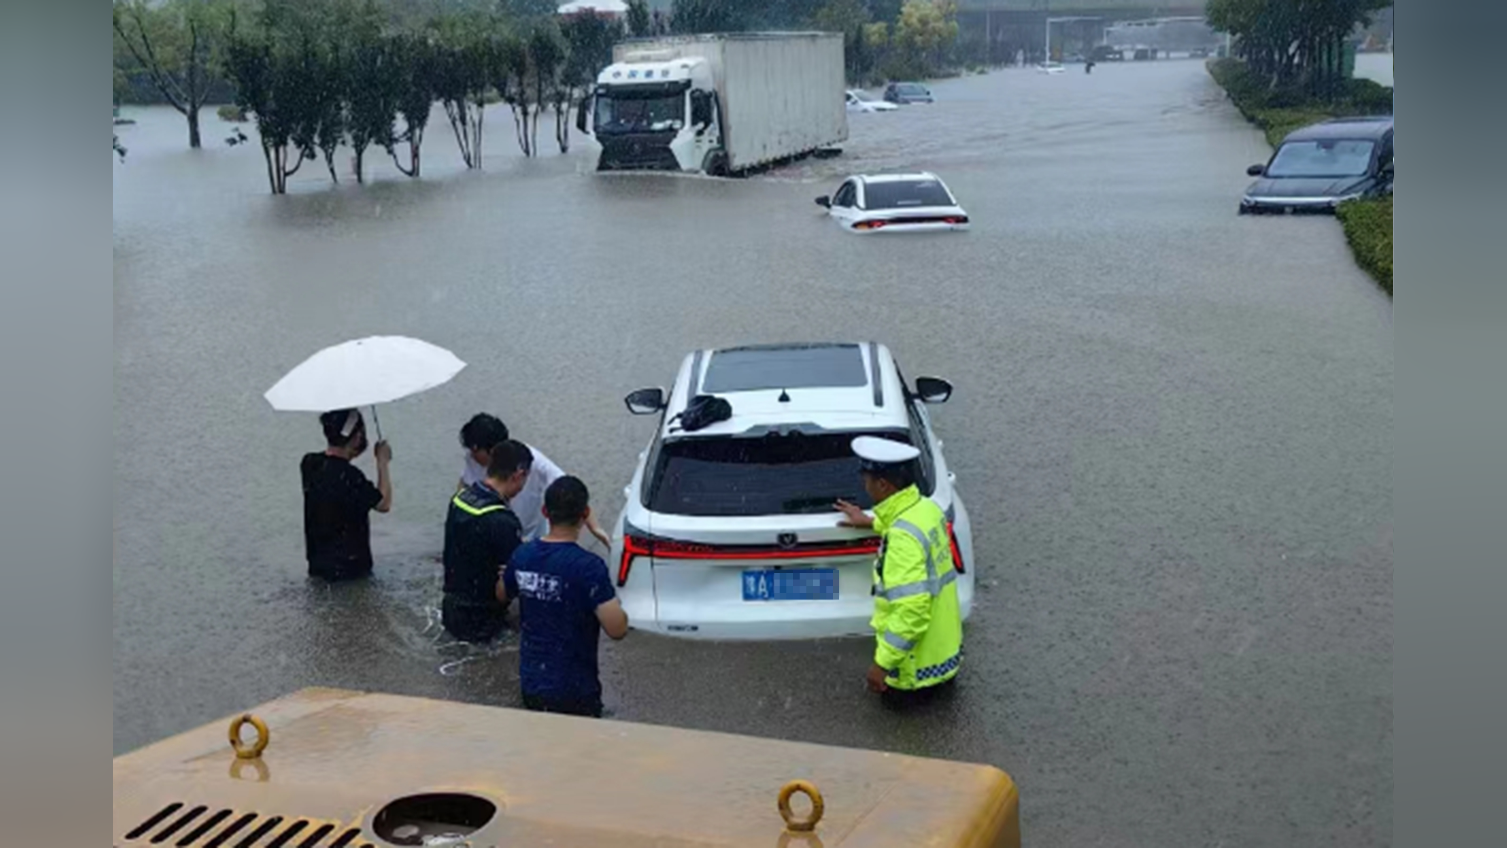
413 70
692 16
588 39
465 59
640 23
177 44
546 58
512 82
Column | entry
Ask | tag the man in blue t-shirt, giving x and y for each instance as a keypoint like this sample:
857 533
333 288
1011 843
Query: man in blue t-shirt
565 597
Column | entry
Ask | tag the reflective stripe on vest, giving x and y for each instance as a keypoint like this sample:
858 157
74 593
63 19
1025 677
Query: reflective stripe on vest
898 642
931 585
477 510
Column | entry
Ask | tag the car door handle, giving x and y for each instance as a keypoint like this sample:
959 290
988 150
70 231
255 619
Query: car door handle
952 476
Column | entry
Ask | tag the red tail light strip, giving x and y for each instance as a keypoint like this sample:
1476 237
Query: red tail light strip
637 546
957 553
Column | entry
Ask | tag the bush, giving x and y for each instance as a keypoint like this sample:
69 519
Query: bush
1368 228
232 113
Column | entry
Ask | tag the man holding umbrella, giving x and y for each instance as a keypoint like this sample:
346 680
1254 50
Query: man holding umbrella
337 499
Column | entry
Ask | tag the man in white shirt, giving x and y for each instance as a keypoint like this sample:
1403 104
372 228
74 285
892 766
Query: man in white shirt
477 437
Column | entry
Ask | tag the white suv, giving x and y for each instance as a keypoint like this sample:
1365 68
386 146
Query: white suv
730 531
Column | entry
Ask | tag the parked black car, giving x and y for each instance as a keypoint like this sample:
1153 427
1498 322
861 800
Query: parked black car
1320 166
907 92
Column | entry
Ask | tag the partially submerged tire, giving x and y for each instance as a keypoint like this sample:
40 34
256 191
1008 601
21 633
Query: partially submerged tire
715 164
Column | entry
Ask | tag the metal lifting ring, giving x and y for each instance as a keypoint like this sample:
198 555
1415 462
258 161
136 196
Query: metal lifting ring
817 807
255 749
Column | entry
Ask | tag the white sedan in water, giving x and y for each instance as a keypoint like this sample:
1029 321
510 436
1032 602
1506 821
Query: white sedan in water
895 203
731 530
860 102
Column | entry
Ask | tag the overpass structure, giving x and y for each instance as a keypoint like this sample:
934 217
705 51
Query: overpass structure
1035 30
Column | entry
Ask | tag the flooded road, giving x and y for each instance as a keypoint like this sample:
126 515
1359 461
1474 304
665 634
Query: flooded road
1172 425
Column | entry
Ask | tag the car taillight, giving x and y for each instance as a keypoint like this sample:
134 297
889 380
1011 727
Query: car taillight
633 546
868 225
957 553
957 219
637 546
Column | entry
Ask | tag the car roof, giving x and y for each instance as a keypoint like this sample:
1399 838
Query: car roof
832 386
1370 127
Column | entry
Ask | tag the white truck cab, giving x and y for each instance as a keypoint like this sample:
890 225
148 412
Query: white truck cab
653 111
717 104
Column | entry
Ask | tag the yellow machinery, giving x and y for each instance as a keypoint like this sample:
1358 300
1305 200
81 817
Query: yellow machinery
328 768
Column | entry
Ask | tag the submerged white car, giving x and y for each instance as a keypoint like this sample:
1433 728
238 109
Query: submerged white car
731 530
860 102
895 203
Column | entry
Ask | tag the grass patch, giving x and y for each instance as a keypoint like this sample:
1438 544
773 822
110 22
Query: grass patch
1368 228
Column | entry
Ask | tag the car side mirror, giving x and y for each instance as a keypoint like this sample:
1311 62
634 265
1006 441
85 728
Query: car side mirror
1255 170
646 401
824 200
933 389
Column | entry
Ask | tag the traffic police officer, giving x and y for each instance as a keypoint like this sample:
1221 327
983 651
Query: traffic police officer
918 626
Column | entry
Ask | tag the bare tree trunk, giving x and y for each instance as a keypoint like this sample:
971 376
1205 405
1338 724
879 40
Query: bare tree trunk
192 115
267 155
329 164
360 178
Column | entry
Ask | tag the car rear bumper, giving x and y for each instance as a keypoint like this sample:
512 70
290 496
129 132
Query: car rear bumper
767 621
910 228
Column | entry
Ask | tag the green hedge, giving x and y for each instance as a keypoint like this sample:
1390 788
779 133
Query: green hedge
1279 111
1368 228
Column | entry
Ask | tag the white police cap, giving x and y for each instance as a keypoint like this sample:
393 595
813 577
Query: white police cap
879 453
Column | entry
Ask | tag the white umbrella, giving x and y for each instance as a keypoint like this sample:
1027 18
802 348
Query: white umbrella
363 372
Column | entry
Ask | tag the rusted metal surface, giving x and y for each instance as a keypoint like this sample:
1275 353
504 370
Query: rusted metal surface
338 757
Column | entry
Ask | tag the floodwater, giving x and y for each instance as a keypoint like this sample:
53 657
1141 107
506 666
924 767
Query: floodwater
1172 425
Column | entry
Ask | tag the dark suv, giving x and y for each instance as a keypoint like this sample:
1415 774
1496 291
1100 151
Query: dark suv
907 92
1321 166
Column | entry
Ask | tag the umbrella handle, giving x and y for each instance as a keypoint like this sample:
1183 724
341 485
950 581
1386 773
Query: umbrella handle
375 423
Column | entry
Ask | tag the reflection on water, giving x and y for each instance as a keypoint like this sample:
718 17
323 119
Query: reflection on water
1172 427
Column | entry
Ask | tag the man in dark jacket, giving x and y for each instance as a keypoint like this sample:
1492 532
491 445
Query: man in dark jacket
481 532
338 499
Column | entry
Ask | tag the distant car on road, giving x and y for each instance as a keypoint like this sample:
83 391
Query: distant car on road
859 101
730 529
907 92
915 202
1320 166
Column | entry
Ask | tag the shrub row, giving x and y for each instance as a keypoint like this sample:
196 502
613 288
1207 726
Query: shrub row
1368 228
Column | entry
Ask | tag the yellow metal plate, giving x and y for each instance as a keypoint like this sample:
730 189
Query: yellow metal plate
337 757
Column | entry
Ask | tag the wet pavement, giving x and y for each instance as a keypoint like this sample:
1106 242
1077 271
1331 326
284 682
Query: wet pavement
1172 425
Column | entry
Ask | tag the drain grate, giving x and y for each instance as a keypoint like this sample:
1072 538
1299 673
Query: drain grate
197 827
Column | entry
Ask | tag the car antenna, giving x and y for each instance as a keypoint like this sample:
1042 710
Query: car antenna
784 396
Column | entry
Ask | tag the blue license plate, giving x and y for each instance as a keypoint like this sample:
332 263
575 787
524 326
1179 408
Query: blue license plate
790 584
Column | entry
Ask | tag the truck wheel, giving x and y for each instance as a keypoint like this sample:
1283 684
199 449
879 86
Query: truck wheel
715 164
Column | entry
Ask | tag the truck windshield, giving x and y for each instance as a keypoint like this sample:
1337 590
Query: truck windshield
798 473
620 113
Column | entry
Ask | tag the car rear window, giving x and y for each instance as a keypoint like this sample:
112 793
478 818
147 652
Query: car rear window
899 194
793 367
775 474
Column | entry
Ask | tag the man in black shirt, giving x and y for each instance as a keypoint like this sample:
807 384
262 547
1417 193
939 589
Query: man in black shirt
481 532
337 499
